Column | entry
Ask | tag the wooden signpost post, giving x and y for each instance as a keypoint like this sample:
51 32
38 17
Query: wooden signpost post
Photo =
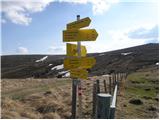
76 60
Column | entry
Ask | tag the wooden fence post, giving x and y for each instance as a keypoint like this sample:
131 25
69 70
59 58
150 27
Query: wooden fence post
103 106
116 78
114 82
98 88
105 87
110 84
113 78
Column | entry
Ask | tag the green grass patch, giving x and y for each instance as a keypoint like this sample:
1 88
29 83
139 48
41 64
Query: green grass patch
140 92
144 77
137 78
140 82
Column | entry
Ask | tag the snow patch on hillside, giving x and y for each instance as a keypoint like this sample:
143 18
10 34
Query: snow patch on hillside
58 67
42 59
107 75
126 53
64 73
67 74
50 64
101 54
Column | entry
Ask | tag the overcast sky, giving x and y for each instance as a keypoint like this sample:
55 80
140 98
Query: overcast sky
36 27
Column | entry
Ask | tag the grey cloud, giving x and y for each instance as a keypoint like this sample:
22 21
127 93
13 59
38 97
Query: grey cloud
142 33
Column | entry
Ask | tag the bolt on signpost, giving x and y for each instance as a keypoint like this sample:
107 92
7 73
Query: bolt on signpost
76 60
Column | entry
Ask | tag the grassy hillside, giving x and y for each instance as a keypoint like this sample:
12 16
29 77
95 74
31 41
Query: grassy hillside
141 95
24 66
114 61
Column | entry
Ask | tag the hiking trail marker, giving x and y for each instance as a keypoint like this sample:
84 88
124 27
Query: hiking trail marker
80 73
79 23
72 50
76 54
79 35
76 60
76 63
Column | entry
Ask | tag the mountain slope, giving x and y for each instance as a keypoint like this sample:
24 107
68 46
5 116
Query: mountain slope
124 60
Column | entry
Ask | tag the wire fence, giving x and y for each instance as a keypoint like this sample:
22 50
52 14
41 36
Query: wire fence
104 96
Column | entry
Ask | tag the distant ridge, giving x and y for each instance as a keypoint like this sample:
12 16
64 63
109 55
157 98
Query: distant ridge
122 60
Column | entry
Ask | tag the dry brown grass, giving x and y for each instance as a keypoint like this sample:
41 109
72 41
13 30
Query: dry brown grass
42 98
52 102
51 99
52 115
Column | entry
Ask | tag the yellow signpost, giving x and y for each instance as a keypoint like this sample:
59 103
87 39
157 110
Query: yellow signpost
72 50
79 73
79 24
76 60
79 35
83 62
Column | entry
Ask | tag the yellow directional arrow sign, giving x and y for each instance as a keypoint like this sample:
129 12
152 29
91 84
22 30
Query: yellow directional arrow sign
79 24
75 63
72 50
79 35
79 73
